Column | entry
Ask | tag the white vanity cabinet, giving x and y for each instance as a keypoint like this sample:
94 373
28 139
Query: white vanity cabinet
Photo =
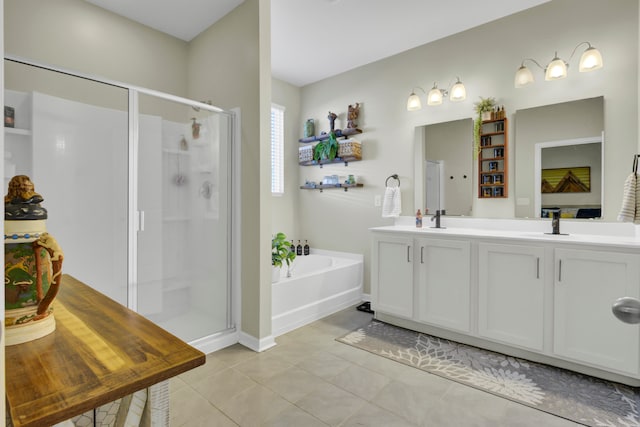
511 286
586 283
527 294
443 282
392 276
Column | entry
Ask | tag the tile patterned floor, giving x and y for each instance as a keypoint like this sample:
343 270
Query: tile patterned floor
310 380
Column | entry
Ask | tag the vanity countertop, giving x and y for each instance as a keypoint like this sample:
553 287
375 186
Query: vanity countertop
629 242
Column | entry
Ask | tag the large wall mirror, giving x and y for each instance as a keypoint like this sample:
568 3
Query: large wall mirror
558 162
559 159
444 167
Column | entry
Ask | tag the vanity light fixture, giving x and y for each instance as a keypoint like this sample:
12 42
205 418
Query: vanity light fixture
590 60
414 103
435 96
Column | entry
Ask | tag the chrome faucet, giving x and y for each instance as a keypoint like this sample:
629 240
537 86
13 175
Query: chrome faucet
436 217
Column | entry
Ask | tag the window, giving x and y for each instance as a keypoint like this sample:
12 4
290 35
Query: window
277 150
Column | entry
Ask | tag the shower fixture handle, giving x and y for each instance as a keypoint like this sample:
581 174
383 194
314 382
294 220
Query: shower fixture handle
140 220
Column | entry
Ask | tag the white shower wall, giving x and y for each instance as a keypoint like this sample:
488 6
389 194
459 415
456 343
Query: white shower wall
80 168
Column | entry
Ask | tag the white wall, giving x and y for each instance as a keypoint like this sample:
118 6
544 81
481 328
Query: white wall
486 59
227 64
80 36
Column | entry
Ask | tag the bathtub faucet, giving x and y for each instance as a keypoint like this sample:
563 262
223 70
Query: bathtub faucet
290 268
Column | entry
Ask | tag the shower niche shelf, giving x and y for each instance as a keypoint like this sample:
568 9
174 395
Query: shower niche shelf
16 131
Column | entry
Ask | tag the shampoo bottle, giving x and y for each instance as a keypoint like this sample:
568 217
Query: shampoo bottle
306 247
299 248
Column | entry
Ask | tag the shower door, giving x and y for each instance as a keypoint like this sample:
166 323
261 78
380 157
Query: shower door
136 186
183 201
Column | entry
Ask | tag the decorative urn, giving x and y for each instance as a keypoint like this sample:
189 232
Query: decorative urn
32 265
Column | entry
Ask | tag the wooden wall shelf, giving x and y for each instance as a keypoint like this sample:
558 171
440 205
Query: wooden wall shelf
331 187
339 134
493 159
344 160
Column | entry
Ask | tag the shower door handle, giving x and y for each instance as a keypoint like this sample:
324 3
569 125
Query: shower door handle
140 220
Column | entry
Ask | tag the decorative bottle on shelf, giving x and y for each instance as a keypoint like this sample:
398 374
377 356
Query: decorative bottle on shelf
293 247
299 248
309 128
306 247
418 219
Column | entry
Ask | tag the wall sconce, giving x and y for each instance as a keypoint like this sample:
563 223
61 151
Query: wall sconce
590 60
435 96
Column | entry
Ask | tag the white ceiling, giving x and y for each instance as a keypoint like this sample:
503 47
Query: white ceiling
315 39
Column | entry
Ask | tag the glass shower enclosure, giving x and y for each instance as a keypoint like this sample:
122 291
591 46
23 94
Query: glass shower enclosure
137 187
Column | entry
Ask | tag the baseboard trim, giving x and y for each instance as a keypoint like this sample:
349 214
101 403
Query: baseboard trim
256 344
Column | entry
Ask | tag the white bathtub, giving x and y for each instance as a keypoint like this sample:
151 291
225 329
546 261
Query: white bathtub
320 284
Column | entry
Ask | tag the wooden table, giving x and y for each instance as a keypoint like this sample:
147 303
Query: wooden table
100 351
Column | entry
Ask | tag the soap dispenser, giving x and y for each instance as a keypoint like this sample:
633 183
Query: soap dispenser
418 219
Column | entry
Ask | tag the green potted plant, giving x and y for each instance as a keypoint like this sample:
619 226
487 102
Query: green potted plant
327 149
483 109
280 252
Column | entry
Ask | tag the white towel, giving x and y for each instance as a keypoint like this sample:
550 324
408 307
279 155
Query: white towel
391 204
630 211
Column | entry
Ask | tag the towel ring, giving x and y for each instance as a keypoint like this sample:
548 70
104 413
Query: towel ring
394 176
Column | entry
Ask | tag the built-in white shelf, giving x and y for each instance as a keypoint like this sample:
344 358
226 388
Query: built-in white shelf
17 131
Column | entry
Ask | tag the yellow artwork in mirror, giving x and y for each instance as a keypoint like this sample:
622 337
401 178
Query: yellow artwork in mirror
566 180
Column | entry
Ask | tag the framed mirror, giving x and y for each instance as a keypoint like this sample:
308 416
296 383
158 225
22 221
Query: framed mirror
568 135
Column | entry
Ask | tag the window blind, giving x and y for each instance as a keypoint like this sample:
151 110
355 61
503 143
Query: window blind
277 149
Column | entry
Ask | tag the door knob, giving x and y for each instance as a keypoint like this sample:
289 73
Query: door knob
627 309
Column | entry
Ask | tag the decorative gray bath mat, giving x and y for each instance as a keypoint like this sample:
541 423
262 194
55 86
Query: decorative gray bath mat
579 398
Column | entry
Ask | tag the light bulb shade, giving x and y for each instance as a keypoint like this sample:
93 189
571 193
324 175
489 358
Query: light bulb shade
523 77
590 60
458 92
556 70
434 97
413 103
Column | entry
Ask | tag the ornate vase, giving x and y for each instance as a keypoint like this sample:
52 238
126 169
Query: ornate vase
33 265
309 128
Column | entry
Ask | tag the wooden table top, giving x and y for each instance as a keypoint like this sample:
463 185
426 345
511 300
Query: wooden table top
100 351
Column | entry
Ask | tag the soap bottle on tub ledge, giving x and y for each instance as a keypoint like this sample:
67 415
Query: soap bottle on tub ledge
306 248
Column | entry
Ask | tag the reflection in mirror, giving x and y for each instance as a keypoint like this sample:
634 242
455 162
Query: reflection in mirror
444 175
575 126
570 176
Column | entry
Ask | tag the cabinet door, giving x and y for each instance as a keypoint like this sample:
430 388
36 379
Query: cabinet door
392 276
586 284
444 282
511 294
